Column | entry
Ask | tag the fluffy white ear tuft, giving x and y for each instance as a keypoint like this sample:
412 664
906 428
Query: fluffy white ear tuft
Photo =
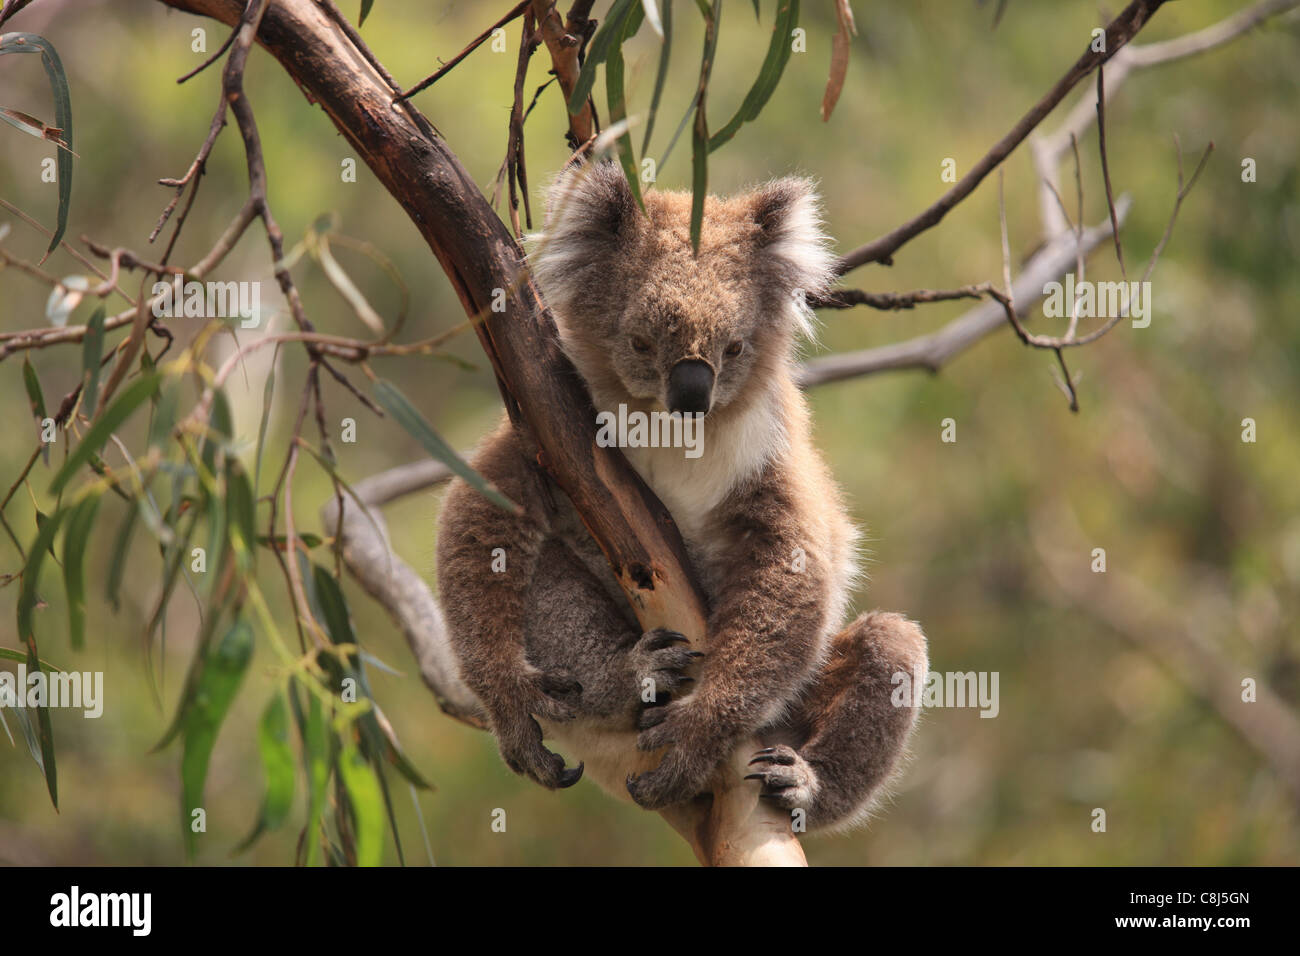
590 214
794 251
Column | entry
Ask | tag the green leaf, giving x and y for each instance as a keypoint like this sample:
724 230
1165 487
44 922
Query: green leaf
32 43
268 390
277 765
396 404
219 431
365 11
41 519
34 394
26 633
164 415
35 398
131 398
601 43
700 131
74 555
242 508
617 104
329 604
362 785
661 76
218 682
769 75
92 351
315 761
121 545
9 654
27 596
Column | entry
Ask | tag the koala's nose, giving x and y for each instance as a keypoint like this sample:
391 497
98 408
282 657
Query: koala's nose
690 387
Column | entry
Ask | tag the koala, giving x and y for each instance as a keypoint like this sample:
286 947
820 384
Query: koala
549 645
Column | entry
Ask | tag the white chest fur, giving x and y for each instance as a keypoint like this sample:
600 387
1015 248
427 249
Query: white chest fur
733 450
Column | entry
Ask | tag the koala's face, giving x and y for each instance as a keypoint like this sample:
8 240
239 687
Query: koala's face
641 315
690 335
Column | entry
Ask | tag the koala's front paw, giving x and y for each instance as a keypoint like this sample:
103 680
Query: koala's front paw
554 696
693 754
784 777
659 663
679 777
520 739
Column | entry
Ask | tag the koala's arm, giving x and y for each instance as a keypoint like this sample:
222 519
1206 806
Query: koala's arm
766 635
484 595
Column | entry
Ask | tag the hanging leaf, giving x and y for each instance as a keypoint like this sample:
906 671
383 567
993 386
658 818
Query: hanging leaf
32 43
75 540
661 76
92 352
27 599
277 765
362 786
618 106
218 682
316 764
839 57
769 75
131 398
32 126
267 391
610 31
396 404
700 131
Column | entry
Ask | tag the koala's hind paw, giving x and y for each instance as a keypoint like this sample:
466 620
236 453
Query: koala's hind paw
662 657
784 777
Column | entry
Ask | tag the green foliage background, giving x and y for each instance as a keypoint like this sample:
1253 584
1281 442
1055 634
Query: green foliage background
1153 466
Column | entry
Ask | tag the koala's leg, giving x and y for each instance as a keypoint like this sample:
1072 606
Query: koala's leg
846 735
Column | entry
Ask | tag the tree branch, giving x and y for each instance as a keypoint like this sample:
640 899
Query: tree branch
934 350
1119 32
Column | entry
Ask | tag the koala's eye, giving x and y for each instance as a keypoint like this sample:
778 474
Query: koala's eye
735 348
640 344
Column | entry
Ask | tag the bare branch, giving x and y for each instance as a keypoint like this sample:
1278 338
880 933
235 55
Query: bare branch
934 350
1118 33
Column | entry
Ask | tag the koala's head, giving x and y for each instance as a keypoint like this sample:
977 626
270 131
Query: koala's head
642 317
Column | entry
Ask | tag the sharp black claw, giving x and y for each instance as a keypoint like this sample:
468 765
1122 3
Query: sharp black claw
662 637
755 776
570 776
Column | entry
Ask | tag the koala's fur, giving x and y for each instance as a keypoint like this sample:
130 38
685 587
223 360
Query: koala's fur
552 638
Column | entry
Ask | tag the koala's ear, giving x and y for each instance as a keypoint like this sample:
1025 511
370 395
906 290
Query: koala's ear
788 237
591 200
590 214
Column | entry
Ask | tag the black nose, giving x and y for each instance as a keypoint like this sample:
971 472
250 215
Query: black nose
690 387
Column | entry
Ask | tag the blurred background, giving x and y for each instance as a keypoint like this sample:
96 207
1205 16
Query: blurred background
986 541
